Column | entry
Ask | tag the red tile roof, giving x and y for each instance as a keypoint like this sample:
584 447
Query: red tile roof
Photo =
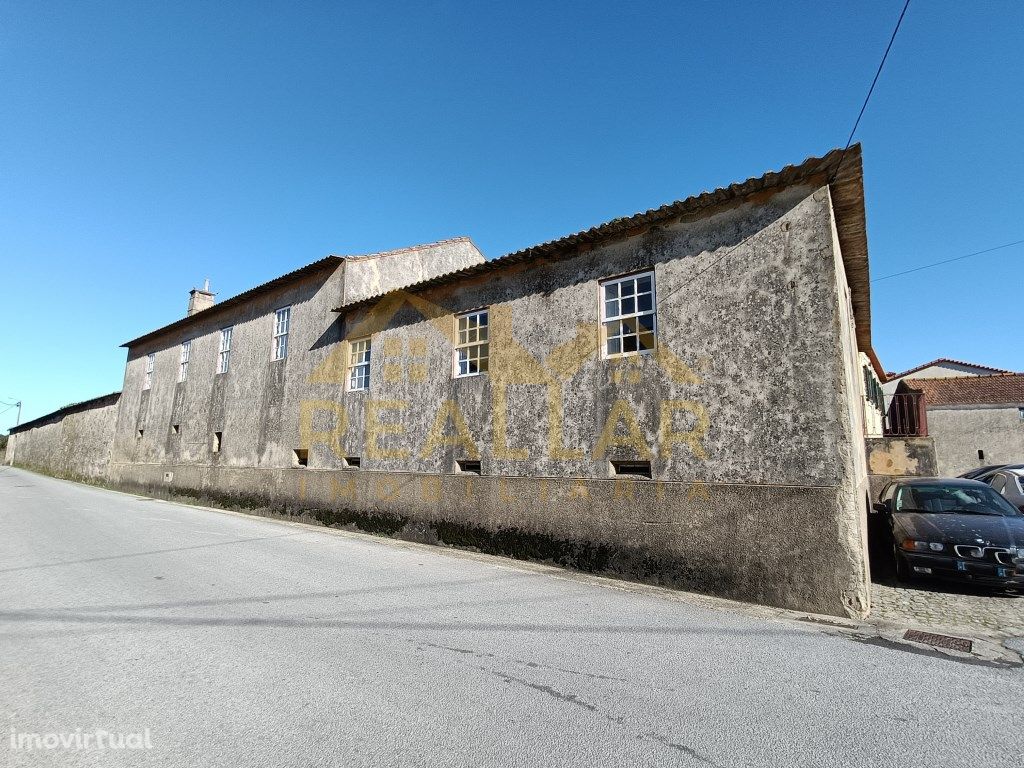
971 390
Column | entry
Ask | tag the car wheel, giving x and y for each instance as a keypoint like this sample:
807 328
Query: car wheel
903 572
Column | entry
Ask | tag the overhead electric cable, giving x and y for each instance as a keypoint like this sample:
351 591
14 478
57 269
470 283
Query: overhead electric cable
948 261
871 90
842 155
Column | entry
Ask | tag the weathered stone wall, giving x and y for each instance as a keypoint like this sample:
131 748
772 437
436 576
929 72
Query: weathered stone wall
254 405
893 457
75 444
961 431
749 411
257 404
727 539
375 274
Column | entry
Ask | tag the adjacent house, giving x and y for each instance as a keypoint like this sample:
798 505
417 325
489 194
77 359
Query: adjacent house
974 420
681 395
941 368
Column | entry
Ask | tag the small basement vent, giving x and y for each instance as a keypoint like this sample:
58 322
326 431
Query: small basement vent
301 458
632 469
468 466
353 462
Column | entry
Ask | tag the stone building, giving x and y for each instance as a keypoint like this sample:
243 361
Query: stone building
680 396
73 441
973 420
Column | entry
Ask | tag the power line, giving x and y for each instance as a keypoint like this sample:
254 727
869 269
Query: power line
842 156
871 90
948 261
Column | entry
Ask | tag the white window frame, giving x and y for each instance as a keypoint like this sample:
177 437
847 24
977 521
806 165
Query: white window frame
147 380
186 353
357 375
282 327
224 349
618 301
475 337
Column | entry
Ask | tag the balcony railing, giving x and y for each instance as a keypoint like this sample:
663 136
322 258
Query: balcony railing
905 416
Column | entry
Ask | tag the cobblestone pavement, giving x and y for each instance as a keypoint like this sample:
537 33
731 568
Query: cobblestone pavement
944 605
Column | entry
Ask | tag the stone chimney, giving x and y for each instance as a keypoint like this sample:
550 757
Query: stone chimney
198 300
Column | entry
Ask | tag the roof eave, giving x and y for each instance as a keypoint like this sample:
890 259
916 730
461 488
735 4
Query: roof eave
843 171
328 262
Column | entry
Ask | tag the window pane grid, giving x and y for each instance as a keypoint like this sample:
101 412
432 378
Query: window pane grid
359 365
186 350
472 350
224 351
282 320
628 315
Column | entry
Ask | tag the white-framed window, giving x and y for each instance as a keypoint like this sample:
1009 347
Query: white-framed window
282 320
628 320
186 352
472 347
224 350
147 380
359 364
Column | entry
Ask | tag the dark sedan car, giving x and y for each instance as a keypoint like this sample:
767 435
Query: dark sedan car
974 474
954 529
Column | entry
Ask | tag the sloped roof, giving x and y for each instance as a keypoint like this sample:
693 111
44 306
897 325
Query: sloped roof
997 389
84 405
847 198
940 361
328 262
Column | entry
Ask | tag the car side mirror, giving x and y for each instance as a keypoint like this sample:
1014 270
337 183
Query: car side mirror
881 506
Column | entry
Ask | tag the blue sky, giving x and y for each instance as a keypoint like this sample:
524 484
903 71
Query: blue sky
147 146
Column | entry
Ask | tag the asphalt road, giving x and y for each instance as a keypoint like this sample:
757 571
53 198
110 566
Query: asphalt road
244 641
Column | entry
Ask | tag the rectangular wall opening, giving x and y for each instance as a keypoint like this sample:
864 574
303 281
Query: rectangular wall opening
175 429
217 439
352 462
468 466
301 457
632 469
138 433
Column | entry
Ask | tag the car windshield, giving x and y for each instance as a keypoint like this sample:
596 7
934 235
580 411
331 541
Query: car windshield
940 498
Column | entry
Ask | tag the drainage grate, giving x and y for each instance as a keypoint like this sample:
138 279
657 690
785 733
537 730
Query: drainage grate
938 641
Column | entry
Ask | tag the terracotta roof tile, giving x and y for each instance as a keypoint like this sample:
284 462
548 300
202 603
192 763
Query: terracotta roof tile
971 390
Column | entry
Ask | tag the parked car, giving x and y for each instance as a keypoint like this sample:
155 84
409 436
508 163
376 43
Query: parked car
974 474
1009 483
953 528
